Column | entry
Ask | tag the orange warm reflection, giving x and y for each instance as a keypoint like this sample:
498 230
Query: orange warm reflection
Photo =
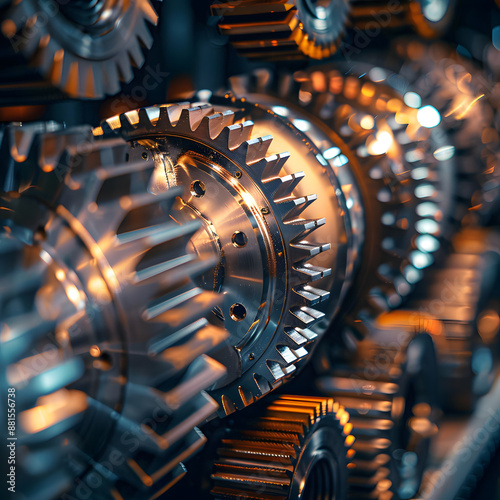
52 409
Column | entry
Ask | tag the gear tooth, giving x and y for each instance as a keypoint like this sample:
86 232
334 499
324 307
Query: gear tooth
277 371
304 250
48 381
227 405
124 69
203 372
21 140
288 356
191 118
246 396
256 149
144 34
307 316
54 413
310 272
310 295
292 207
234 135
287 185
212 125
135 54
262 383
298 229
271 166
111 79
149 12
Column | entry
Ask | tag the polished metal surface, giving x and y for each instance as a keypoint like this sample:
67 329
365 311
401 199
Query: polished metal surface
98 312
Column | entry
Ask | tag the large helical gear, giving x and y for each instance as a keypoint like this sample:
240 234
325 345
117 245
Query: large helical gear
82 48
429 19
283 29
395 161
465 99
99 311
256 225
389 389
296 447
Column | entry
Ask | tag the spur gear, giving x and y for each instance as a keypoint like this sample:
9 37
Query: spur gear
283 29
273 265
389 390
393 161
297 447
82 48
429 18
99 311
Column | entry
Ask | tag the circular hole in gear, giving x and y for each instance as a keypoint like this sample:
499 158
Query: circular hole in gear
198 189
239 239
320 482
237 312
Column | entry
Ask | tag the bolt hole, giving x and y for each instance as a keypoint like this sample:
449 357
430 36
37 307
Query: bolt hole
144 156
239 239
198 189
237 312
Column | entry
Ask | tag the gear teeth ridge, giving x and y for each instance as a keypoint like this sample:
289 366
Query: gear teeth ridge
218 131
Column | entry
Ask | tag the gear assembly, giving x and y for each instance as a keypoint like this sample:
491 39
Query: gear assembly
250 249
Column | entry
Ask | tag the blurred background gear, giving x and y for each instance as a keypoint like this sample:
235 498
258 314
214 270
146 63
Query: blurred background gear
395 168
295 447
429 18
389 389
79 348
284 29
84 48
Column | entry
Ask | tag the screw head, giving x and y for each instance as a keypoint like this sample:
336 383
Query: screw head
238 174
264 210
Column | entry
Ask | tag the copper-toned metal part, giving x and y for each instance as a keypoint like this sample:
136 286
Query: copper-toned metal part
283 29
296 447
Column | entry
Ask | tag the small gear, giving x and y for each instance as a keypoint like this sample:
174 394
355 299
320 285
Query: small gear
376 135
297 447
99 311
283 29
429 18
82 48
389 390
255 229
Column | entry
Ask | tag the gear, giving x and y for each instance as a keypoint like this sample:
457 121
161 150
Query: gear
82 48
389 389
429 18
459 299
98 311
283 29
463 96
391 161
297 447
254 226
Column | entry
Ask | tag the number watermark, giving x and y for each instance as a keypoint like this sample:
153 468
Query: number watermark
11 440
